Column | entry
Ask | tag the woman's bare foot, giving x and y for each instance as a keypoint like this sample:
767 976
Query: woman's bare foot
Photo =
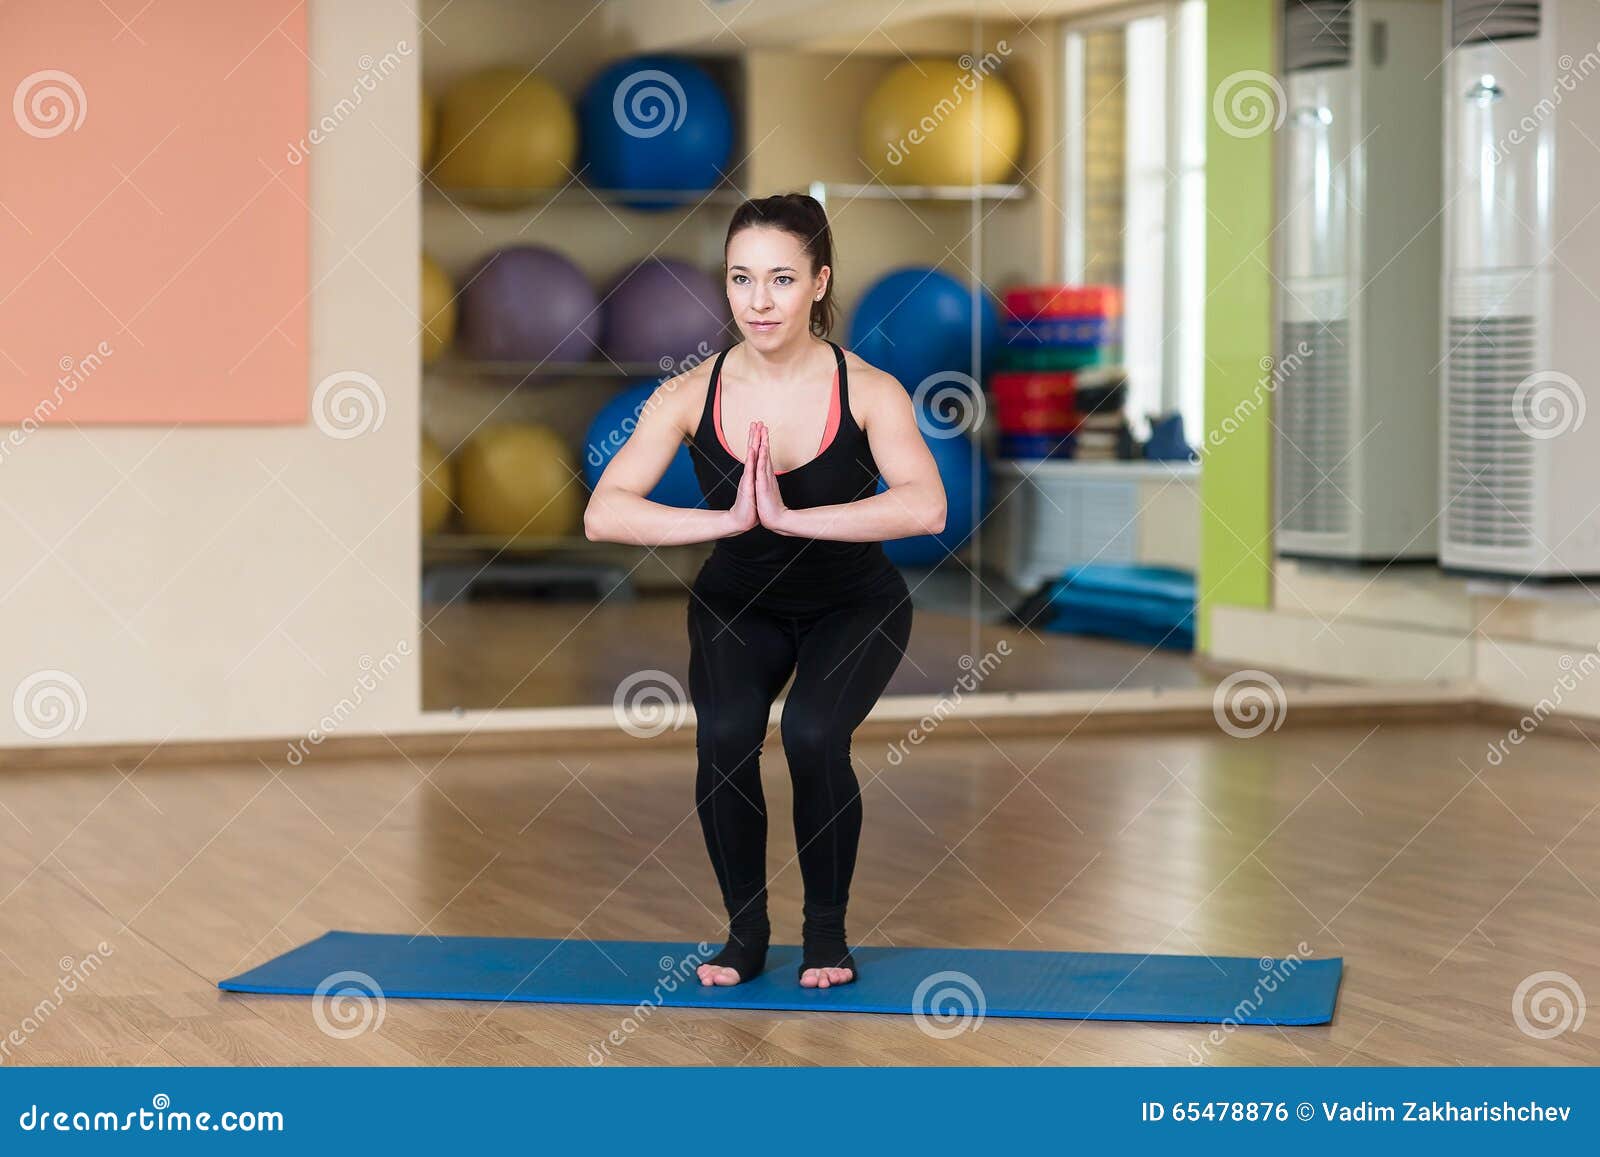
826 977
710 974
825 959
743 957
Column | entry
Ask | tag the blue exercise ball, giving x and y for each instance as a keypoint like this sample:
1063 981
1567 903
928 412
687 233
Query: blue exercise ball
914 323
956 455
612 427
655 122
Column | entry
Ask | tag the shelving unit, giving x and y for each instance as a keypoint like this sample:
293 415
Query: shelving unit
600 369
459 391
881 191
1050 514
456 563
577 193
602 230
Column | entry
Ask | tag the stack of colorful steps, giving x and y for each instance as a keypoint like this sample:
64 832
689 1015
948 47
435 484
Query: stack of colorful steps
1058 392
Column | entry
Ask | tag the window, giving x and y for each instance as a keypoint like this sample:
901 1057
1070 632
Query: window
1135 192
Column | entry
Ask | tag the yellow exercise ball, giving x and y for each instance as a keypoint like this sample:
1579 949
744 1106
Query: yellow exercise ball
428 117
935 123
501 130
438 310
438 482
518 481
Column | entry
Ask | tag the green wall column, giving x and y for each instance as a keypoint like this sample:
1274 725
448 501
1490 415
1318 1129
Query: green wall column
1236 478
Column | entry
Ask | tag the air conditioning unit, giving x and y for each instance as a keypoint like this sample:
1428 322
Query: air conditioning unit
1357 351
1520 475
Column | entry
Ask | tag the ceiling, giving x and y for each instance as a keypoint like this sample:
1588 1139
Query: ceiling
734 25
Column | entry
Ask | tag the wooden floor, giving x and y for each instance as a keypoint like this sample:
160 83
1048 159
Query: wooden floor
1442 880
571 654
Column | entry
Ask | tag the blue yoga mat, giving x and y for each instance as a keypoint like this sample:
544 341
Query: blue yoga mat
1153 605
926 981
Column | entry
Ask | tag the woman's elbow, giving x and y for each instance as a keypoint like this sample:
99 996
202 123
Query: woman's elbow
594 528
936 517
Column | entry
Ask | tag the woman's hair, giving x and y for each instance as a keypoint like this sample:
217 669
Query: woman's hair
805 218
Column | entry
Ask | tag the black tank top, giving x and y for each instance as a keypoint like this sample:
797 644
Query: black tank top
785 573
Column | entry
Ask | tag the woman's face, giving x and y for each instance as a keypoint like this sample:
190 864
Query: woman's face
771 287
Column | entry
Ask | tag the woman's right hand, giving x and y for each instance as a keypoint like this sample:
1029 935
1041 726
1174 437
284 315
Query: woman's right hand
742 515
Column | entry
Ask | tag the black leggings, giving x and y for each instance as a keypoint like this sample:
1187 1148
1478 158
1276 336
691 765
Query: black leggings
740 657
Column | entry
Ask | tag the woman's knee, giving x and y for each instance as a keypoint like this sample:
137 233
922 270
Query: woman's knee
731 737
810 739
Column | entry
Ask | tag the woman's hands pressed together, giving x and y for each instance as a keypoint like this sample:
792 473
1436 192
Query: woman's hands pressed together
759 500
742 515
769 499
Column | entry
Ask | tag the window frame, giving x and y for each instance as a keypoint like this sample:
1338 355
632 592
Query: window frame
1182 356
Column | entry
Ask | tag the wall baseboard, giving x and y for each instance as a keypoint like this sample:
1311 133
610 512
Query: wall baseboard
996 716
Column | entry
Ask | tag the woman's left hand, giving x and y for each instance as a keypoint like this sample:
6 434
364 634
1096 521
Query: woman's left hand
769 500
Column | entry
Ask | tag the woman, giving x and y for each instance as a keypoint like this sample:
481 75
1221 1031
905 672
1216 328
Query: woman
797 582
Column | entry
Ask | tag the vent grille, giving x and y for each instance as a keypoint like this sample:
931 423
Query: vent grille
1108 518
1487 21
1314 428
1069 521
1489 478
1316 34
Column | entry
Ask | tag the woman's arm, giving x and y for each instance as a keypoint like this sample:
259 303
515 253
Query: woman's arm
914 502
618 510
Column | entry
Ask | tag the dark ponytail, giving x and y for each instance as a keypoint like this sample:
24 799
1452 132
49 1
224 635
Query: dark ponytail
805 218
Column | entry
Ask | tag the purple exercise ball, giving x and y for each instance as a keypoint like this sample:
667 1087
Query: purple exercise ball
664 310
528 303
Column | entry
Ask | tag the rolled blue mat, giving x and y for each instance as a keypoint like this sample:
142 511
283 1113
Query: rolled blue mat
925 982
1152 605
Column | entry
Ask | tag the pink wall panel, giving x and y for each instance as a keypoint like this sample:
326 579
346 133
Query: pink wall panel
153 233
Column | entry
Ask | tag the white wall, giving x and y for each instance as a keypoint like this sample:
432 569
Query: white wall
208 582
1511 644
